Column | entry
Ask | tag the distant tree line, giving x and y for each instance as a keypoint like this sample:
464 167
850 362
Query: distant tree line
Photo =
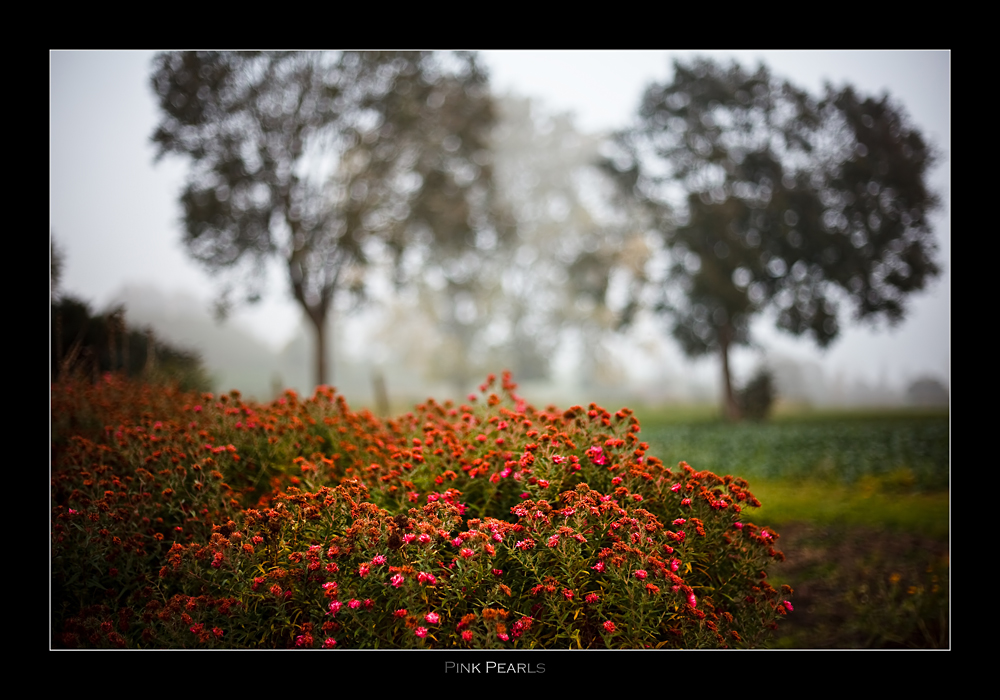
87 344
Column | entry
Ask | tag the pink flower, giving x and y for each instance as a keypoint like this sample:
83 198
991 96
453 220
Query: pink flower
591 598
503 636
498 572
599 566
424 538
432 618
640 573
329 643
738 526
567 594
466 553
421 632
457 541
335 607
553 541
675 564
467 635
692 601
675 488
788 605
378 560
397 580
609 627
409 537
363 570
354 604
686 502
679 521
596 455
402 612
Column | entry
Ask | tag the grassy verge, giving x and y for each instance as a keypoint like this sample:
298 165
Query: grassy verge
860 505
869 568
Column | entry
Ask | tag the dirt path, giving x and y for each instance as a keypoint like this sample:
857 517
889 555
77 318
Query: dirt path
858 588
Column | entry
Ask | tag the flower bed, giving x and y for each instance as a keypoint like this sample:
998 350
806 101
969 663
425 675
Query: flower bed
201 521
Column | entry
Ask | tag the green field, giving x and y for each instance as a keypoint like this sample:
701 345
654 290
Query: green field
862 502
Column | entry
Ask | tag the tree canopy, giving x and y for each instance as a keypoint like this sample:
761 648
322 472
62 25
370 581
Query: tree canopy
769 197
328 161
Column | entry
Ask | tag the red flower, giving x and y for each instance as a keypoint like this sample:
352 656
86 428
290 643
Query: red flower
609 627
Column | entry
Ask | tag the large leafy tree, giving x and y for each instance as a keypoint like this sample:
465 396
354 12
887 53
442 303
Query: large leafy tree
328 161
771 198
553 282
576 252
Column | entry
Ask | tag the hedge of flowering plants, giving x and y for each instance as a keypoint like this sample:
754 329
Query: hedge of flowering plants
195 521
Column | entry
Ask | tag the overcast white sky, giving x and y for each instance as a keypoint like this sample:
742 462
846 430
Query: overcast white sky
116 215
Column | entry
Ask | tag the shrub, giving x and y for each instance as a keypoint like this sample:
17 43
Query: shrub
756 398
211 522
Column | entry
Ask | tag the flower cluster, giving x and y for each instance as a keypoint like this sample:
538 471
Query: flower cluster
303 524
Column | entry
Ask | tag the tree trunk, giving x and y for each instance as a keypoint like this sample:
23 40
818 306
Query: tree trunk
319 321
730 408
